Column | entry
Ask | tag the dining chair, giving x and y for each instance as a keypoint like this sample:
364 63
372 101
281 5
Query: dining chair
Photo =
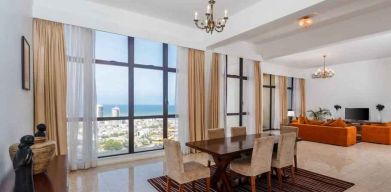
215 133
182 172
238 131
259 163
291 129
284 156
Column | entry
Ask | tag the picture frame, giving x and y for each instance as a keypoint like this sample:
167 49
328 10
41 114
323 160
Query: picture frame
26 83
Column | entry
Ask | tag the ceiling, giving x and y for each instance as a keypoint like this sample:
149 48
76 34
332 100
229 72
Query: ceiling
178 11
371 47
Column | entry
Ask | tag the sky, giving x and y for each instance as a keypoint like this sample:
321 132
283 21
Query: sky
112 81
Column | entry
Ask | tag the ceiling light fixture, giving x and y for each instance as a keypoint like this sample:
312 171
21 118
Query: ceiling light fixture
323 73
305 21
209 24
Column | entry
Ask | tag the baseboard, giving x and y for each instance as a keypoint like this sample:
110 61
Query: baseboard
130 157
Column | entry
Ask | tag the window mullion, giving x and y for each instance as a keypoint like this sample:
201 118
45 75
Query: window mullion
131 93
165 90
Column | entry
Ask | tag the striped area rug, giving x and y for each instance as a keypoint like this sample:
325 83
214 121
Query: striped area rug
306 181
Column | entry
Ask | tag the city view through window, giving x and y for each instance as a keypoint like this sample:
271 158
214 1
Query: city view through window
135 83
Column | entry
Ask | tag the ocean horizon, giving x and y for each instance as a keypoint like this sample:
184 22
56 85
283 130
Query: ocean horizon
139 110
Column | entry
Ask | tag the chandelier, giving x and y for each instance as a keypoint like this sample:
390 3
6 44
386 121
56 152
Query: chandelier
323 73
209 24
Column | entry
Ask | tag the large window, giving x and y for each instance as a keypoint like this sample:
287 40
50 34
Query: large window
135 81
269 96
236 92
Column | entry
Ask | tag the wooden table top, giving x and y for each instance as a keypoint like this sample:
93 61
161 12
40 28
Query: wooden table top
229 145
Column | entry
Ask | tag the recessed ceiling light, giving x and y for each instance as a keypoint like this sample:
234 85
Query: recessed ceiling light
305 21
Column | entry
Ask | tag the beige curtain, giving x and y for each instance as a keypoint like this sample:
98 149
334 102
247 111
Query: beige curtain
196 95
258 97
214 93
50 81
302 97
283 90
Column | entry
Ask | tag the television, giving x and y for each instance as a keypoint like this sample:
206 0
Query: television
357 114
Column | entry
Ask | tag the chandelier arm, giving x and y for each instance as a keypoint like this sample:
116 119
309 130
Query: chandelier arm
198 25
219 28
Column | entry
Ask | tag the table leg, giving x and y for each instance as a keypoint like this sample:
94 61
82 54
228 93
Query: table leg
221 174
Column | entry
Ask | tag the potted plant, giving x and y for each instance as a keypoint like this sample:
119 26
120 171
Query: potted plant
320 114
337 108
380 108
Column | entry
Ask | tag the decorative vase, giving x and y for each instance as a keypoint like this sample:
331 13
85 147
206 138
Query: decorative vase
380 118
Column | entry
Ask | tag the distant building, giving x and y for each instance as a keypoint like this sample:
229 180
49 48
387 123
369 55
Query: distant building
115 111
99 110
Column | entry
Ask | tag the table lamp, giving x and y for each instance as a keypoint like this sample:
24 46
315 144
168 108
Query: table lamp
291 114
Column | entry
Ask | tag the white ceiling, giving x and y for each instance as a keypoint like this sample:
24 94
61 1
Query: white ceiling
365 48
178 11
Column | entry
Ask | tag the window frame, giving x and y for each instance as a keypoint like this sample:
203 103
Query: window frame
241 78
131 65
271 87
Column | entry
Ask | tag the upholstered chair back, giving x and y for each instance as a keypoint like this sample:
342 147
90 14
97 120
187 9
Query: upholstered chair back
261 159
173 159
217 133
286 149
289 129
238 131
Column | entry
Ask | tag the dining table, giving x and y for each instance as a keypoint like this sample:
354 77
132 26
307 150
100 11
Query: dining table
224 150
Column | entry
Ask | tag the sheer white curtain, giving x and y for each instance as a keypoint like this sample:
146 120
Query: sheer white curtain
250 96
81 97
181 98
276 101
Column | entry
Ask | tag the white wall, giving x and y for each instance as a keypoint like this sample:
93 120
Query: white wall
359 84
16 105
101 17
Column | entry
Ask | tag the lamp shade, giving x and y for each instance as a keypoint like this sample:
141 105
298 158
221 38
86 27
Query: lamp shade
291 113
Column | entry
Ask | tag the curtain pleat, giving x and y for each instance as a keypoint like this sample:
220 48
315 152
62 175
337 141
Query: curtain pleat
50 81
196 95
302 97
214 92
258 97
283 100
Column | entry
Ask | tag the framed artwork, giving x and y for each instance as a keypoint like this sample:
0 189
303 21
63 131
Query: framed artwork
25 64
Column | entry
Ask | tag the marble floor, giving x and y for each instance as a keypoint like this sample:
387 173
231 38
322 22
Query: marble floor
365 164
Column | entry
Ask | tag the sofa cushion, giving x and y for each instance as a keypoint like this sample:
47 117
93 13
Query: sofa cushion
338 123
315 122
302 120
328 122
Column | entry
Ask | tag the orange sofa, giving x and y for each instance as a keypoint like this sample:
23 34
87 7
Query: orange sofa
376 134
342 136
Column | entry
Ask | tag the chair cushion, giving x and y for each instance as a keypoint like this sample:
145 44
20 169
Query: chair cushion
194 171
242 166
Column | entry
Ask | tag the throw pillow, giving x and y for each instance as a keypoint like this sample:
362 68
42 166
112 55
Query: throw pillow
302 120
315 122
338 123
328 122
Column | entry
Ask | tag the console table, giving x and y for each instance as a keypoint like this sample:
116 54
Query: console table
54 180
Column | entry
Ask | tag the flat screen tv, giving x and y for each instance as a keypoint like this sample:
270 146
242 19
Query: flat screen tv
357 114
